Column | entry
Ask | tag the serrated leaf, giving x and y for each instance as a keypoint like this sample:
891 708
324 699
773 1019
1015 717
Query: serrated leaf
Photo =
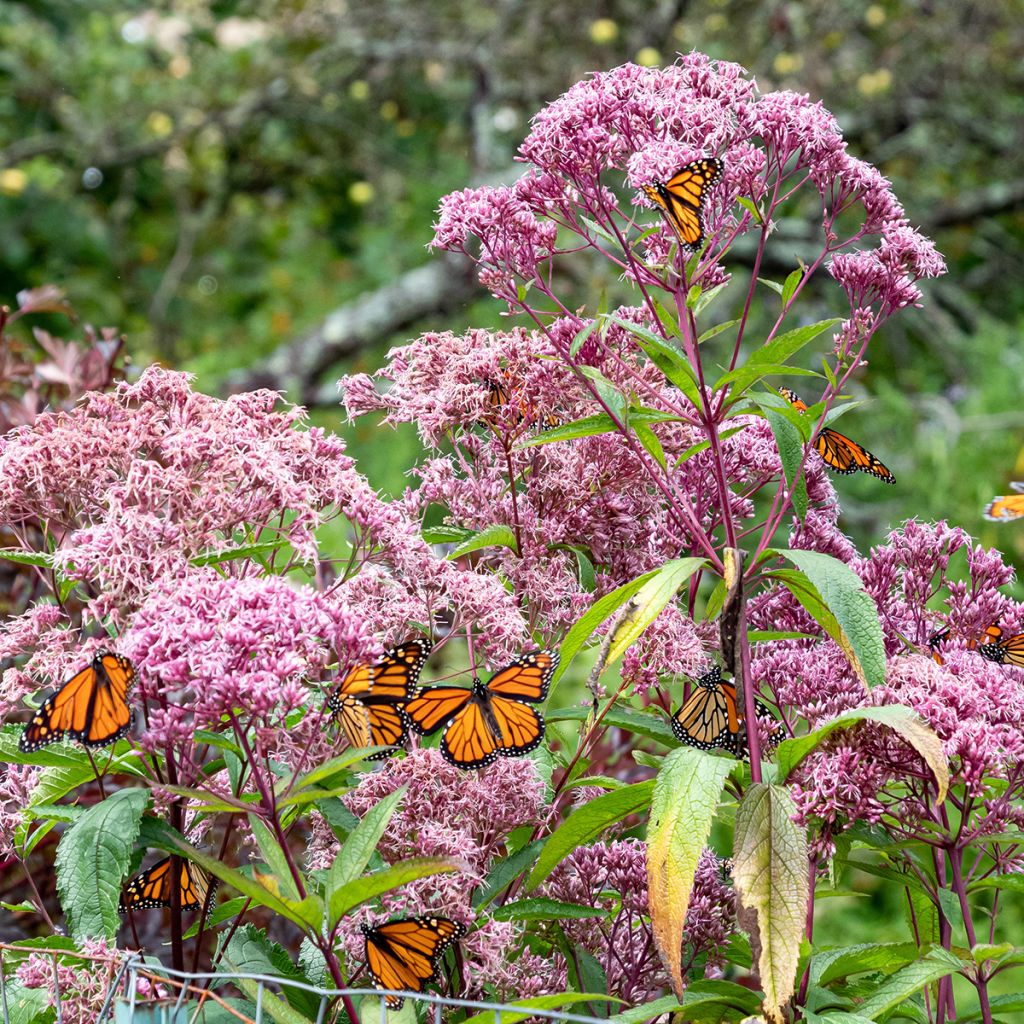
93 858
542 909
887 957
602 609
361 844
845 597
373 1010
649 602
904 721
250 951
683 805
770 870
361 890
22 557
791 454
586 823
498 536
908 980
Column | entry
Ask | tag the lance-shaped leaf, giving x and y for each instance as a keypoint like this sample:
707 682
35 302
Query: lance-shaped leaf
844 595
683 806
904 721
92 860
771 874
650 601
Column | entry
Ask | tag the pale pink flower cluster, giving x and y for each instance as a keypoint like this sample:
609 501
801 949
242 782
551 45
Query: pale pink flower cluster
447 812
81 983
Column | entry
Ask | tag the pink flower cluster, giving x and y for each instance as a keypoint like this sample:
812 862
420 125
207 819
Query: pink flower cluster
612 877
81 982
468 816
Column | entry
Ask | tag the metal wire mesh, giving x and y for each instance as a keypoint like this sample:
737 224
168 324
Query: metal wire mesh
130 998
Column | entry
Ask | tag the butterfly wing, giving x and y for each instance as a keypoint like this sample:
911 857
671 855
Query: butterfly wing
683 197
527 678
935 641
521 726
846 456
1005 508
406 954
993 647
92 707
707 716
152 887
470 741
435 705
794 399
394 677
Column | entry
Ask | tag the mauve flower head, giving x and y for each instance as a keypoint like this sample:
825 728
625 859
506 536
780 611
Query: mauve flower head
17 783
447 812
205 645
135 483
82 981
613 876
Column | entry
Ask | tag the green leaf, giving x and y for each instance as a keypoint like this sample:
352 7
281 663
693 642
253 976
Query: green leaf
273 1006
774 285
585 571
650 600
750 206
791 285
541 909
845 597
1012 883
703 299
608 392
705 1000
870 956
27 1005
505 871
640 723
93 858
791 454
581 337
1000 1006
22 557
273 855
910 979
549 1002
259 550
669 359
361 890
686 794
773 357
770 871
445 534
591 426
250 951
649 439
586 823
361 843
711 332
603 608
373 1010
904 721
497 536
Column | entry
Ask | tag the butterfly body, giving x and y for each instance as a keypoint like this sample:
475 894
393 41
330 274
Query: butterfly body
91 707
405 954
683 197
491 720
152 888
368 704
1008 651
711 717
840 453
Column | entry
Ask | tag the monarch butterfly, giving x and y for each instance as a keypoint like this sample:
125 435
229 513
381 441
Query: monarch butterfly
406 953
683 196
368 703
500 397
935 641
838 451
152 888
91 707
490 720
991 635
711 717
1006 507
1003 652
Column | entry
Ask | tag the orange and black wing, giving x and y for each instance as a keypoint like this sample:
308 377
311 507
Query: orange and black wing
436 705
406 954
846 456
1005 508
709 715
935 641
152 888
490 727
794 399
91 707
369 724
394 677
1009 651
683 197
527 678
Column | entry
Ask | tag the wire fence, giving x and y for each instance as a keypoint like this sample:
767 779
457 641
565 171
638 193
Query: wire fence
142 991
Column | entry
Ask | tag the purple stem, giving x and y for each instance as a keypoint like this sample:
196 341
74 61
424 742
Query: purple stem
981 981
